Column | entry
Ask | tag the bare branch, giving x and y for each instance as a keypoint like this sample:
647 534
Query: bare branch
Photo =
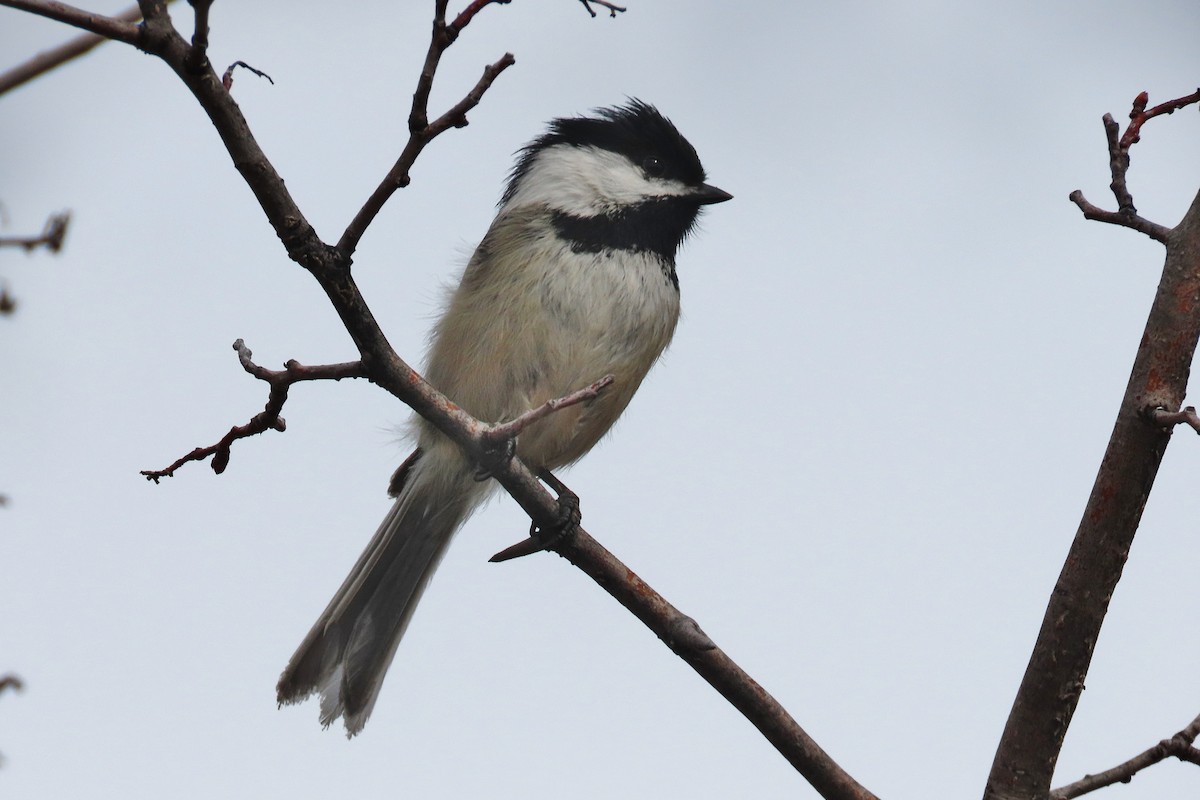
1054 678
268 418
1118 163
48 60
684 637
52 235
1125 219
116 28
1179 746
442 38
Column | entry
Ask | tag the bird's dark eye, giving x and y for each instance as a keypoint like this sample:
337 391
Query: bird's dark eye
653 166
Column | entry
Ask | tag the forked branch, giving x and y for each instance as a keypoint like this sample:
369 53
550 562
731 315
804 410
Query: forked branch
1119 143
268 419
420 130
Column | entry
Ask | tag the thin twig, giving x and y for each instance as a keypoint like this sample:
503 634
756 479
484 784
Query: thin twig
1179 746
495 435
456 116
227 78
268 418
52 235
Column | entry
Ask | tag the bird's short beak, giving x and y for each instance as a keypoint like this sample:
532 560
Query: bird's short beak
707 195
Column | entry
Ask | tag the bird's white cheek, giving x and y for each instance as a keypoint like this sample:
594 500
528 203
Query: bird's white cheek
586 181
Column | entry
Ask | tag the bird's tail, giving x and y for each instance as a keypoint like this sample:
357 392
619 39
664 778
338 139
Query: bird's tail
348 651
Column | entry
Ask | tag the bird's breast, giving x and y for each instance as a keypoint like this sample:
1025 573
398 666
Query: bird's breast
533 320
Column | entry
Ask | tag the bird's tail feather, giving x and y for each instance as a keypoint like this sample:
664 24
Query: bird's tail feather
349 649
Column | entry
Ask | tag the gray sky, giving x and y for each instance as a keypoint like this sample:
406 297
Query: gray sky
859 466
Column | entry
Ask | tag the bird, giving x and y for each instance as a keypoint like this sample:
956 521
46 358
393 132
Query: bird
574 280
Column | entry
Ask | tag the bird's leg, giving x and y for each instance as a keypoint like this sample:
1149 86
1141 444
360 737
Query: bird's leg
568 512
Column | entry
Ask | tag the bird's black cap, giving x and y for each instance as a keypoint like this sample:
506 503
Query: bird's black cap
636 130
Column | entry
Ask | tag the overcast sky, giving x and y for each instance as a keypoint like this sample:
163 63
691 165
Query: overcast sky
859 466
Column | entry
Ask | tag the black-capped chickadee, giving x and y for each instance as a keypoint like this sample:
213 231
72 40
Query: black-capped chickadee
574 280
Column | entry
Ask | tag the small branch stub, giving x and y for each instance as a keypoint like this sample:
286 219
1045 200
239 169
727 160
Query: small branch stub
1167 419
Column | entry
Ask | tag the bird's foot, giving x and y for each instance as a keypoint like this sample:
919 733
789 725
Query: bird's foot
550 536
492 459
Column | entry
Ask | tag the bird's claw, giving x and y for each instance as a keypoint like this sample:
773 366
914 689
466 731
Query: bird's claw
549 537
